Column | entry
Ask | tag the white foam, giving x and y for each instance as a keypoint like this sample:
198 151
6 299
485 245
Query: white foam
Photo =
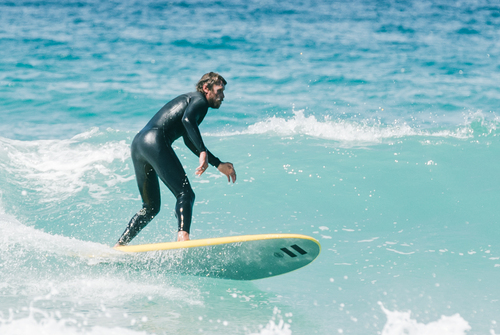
20 243
13 233
115 288
58 169
273 328
346 131
401 252
401 323
43 323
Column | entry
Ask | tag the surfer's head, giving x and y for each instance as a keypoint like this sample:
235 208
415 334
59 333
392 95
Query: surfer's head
212 85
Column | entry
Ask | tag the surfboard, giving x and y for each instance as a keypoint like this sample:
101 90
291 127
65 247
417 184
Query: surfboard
244 257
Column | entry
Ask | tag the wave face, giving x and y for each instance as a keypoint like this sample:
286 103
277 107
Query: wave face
369 125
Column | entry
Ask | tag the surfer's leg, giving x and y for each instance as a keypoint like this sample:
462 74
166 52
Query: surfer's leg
172 173
147 180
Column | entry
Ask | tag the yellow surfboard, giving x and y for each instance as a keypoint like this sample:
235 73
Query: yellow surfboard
246 257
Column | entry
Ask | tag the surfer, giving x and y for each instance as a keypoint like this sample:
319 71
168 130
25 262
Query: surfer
153 156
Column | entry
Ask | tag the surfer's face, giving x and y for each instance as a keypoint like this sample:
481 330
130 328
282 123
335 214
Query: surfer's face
215 96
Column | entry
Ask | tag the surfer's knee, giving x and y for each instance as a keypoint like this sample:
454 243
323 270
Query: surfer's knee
192 196
154 211
186 196
150 211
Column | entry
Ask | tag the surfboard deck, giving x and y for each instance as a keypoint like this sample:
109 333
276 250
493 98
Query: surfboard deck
244 257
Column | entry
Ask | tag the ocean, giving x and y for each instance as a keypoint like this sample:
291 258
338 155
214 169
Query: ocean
371 126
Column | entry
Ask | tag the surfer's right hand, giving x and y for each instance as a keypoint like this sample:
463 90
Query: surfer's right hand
203 163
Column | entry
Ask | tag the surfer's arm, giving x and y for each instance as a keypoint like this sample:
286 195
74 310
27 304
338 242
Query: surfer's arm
214 161
190 120
225 168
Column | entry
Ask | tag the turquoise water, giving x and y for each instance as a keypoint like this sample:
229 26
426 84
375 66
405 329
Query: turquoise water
369 125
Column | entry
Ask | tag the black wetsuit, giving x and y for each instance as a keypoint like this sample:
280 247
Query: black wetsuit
154 157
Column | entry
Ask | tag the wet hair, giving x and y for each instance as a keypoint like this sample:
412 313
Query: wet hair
210 79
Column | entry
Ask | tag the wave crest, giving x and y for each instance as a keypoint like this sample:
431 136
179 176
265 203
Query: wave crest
364 131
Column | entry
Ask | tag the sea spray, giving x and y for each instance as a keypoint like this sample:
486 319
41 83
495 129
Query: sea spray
402 323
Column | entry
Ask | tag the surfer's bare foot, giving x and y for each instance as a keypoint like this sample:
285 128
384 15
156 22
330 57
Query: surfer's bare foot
182 236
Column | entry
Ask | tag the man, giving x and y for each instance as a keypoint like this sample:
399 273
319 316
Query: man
153 156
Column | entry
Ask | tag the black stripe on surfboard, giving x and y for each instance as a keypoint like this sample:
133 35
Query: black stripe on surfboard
288 252
299 249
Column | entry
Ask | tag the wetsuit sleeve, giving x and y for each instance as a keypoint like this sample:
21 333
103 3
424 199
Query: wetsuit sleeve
214 161
194 110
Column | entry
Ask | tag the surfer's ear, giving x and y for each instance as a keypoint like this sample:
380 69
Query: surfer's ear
205 88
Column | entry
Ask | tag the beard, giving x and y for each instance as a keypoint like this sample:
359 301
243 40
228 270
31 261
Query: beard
213 102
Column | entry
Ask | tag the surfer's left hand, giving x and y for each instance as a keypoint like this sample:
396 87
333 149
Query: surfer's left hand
228 170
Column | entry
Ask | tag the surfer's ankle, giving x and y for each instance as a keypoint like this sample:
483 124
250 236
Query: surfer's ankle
182 236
